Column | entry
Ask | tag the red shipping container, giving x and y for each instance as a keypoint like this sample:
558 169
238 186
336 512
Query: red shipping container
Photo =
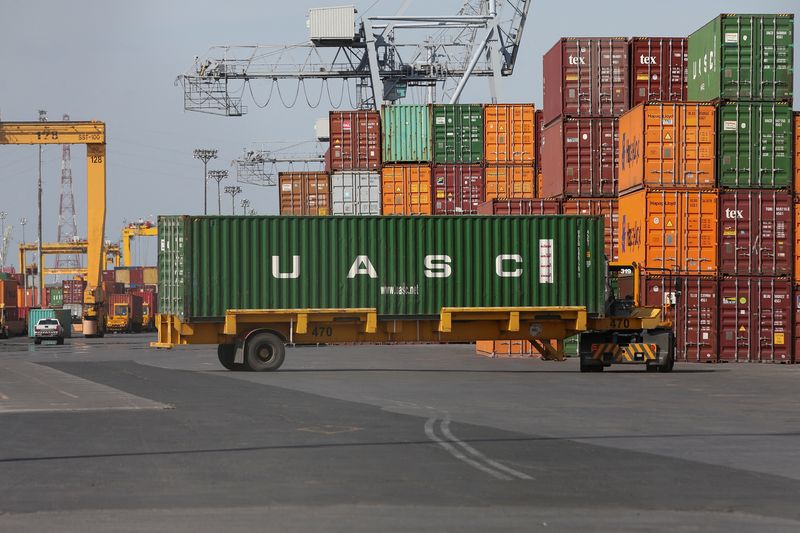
457 189
755 319
304 193
579 158
112 287
692 303
520 206
796 342
355 140
108 275
659 69
608 208
756 232
137 275
74 290
586 77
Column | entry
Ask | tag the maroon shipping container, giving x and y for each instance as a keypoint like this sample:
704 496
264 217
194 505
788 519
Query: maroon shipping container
692 302
355 140
108 275
112 287
755 319
74 290
457 189
586 77
608 208
327 160
538 126
519 206
659 69
579 158
756 233
149 306
137 275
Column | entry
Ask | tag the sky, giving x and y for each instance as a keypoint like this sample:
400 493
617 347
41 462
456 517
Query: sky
118 61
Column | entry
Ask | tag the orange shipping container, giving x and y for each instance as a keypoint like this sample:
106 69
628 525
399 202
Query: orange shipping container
509 181
670 229
509 133
608 208
304 193
797 246
667 145
406 190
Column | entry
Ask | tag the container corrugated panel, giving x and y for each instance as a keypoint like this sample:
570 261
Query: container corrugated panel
659 69
356 193
457 133
755 321
579 157
332 23
517 206
668 144
586 77
63 315
457 189
402 266
510 133
756 232
8 293
74 290
755 145
608 208
796 343
149 275
671 229
742 57
538 121
55 297
693 306
406 190
406 131
797 241
355 140
122 275
509 181
796 153
304 193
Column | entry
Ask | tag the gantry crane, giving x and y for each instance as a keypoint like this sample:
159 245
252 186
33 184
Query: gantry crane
386 55
111 253
93 135
260 165
5 238
135 229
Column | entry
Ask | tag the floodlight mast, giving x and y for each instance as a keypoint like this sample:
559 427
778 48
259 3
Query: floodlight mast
387 55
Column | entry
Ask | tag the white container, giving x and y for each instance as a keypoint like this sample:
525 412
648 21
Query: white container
322 129
332 23
356 193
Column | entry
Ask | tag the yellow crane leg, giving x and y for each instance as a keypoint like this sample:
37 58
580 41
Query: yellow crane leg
96 222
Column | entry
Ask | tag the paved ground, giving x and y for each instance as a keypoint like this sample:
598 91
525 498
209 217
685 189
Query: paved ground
108 435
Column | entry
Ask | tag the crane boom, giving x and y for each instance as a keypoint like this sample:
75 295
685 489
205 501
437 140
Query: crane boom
387 53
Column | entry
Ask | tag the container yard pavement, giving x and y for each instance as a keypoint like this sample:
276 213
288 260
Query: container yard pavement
374 438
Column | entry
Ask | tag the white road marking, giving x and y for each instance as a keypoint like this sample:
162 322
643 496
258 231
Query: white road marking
455 452
478 455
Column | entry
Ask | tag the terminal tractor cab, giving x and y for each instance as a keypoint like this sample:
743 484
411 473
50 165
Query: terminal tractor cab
629 333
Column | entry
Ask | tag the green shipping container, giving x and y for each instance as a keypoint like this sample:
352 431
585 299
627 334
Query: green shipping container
406 133
755 145
56 297
402 266
64 317
742 57
458 133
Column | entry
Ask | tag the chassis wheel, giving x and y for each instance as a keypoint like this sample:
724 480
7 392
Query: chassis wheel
37 341
227 356
264 352
589 366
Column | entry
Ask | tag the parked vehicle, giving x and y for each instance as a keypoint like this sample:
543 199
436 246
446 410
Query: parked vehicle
48 329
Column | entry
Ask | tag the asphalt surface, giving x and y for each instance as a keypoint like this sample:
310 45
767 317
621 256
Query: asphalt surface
110 435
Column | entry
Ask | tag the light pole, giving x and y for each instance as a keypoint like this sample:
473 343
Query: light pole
205 155
245 204
22 222
3 216
218 175
233 190
42 118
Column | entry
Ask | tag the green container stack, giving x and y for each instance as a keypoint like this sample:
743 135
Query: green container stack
745 63
406 134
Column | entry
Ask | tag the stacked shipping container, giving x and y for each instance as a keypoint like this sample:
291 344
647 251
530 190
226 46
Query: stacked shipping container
706 203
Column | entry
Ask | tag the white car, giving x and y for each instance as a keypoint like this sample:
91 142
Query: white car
48 328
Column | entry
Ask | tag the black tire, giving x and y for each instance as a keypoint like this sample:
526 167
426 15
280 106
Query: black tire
37 341
587 366
227 356
264 352
59 341
652 368
667 365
